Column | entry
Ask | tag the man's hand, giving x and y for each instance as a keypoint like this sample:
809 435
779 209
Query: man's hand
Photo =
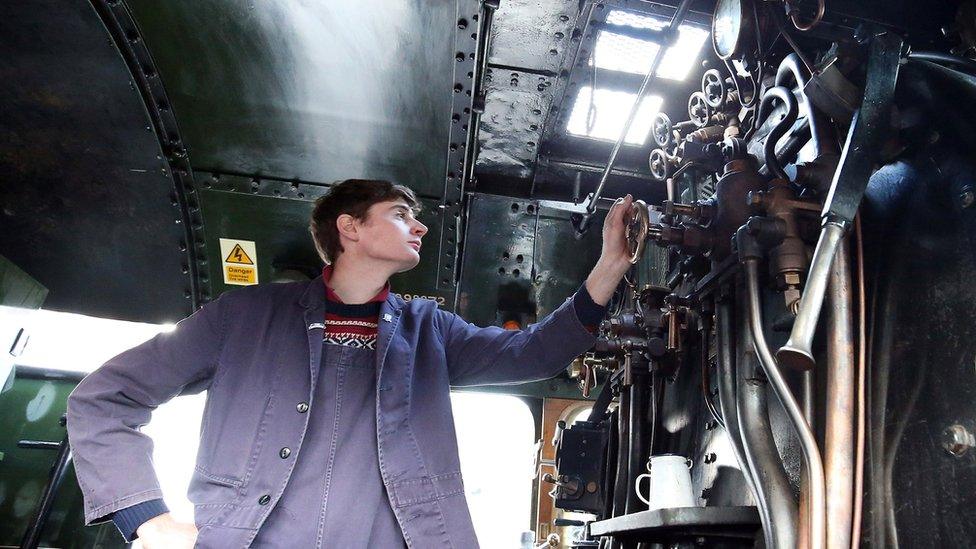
164 532
614 260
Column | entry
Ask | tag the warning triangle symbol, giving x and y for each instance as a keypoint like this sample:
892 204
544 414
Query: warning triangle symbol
238 255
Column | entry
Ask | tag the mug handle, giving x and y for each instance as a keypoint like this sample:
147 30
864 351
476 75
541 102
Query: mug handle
637 488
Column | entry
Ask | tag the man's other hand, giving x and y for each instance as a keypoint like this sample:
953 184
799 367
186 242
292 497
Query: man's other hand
164 532
614 259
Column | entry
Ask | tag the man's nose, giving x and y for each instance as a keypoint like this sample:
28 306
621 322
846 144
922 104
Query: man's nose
420 229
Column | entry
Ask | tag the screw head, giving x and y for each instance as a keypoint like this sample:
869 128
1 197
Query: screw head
957 440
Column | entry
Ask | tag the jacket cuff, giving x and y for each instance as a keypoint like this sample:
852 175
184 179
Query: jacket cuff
129 520
587 311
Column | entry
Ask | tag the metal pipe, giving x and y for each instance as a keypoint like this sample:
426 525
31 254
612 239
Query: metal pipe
797 352
808 442
944 58
785 95
839 408
770 478
637 456
670 35
622 488
820 134
861 375
32 536
725 362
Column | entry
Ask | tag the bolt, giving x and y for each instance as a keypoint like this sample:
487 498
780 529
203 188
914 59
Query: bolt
710 457
967 197
957 440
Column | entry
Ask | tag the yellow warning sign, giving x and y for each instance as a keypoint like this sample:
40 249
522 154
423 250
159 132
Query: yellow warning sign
240 261
238 255
240 275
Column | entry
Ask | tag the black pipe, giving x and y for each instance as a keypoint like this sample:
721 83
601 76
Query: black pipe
638 436
945 59
609 467
820 130
621 488
785 95
33 535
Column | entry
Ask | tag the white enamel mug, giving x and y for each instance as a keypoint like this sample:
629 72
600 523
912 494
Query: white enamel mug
670 484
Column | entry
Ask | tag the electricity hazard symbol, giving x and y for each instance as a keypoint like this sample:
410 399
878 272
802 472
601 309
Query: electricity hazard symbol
238 255
240 261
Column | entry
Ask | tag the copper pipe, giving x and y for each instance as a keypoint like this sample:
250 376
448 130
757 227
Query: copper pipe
861 375
805 27
839 432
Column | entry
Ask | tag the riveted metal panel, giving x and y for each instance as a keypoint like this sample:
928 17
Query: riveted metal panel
274 215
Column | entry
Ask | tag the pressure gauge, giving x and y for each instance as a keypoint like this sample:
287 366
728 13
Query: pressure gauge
729 27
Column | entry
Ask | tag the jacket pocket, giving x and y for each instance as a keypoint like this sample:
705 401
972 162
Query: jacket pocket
427 489
207 488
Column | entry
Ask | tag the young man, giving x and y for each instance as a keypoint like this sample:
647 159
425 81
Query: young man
328 418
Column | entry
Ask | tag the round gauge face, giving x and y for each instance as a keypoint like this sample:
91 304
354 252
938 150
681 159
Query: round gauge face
726 27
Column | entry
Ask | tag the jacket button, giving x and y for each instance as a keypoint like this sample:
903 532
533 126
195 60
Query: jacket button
302 407
285 452
264 500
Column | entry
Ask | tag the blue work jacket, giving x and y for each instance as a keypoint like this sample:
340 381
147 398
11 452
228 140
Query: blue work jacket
257 351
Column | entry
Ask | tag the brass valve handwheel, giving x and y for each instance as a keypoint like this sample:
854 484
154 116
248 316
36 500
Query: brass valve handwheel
638 222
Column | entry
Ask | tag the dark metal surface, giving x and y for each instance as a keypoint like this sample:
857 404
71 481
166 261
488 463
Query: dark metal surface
86 205
922 354
666 524
145 77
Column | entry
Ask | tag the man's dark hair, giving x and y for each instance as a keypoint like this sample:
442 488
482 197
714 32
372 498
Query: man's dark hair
353 197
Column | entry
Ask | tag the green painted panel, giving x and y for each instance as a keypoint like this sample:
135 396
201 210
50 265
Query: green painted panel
315 91
521 260
18 289
30 410
275 218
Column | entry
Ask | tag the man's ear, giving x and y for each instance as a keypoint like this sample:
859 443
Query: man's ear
348 227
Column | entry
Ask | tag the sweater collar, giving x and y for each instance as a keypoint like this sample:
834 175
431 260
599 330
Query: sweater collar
331 296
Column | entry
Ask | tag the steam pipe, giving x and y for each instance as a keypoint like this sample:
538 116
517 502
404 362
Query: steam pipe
785 95
820 134
808 443
771 483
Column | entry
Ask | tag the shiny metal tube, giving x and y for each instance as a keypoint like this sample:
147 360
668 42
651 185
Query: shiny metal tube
808 443
725 362
839 433
820 129
771 483
797 352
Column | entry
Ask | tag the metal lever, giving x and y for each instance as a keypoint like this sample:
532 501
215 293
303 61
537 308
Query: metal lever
670 36
864 141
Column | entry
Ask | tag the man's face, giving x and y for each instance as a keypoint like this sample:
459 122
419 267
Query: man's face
391 233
